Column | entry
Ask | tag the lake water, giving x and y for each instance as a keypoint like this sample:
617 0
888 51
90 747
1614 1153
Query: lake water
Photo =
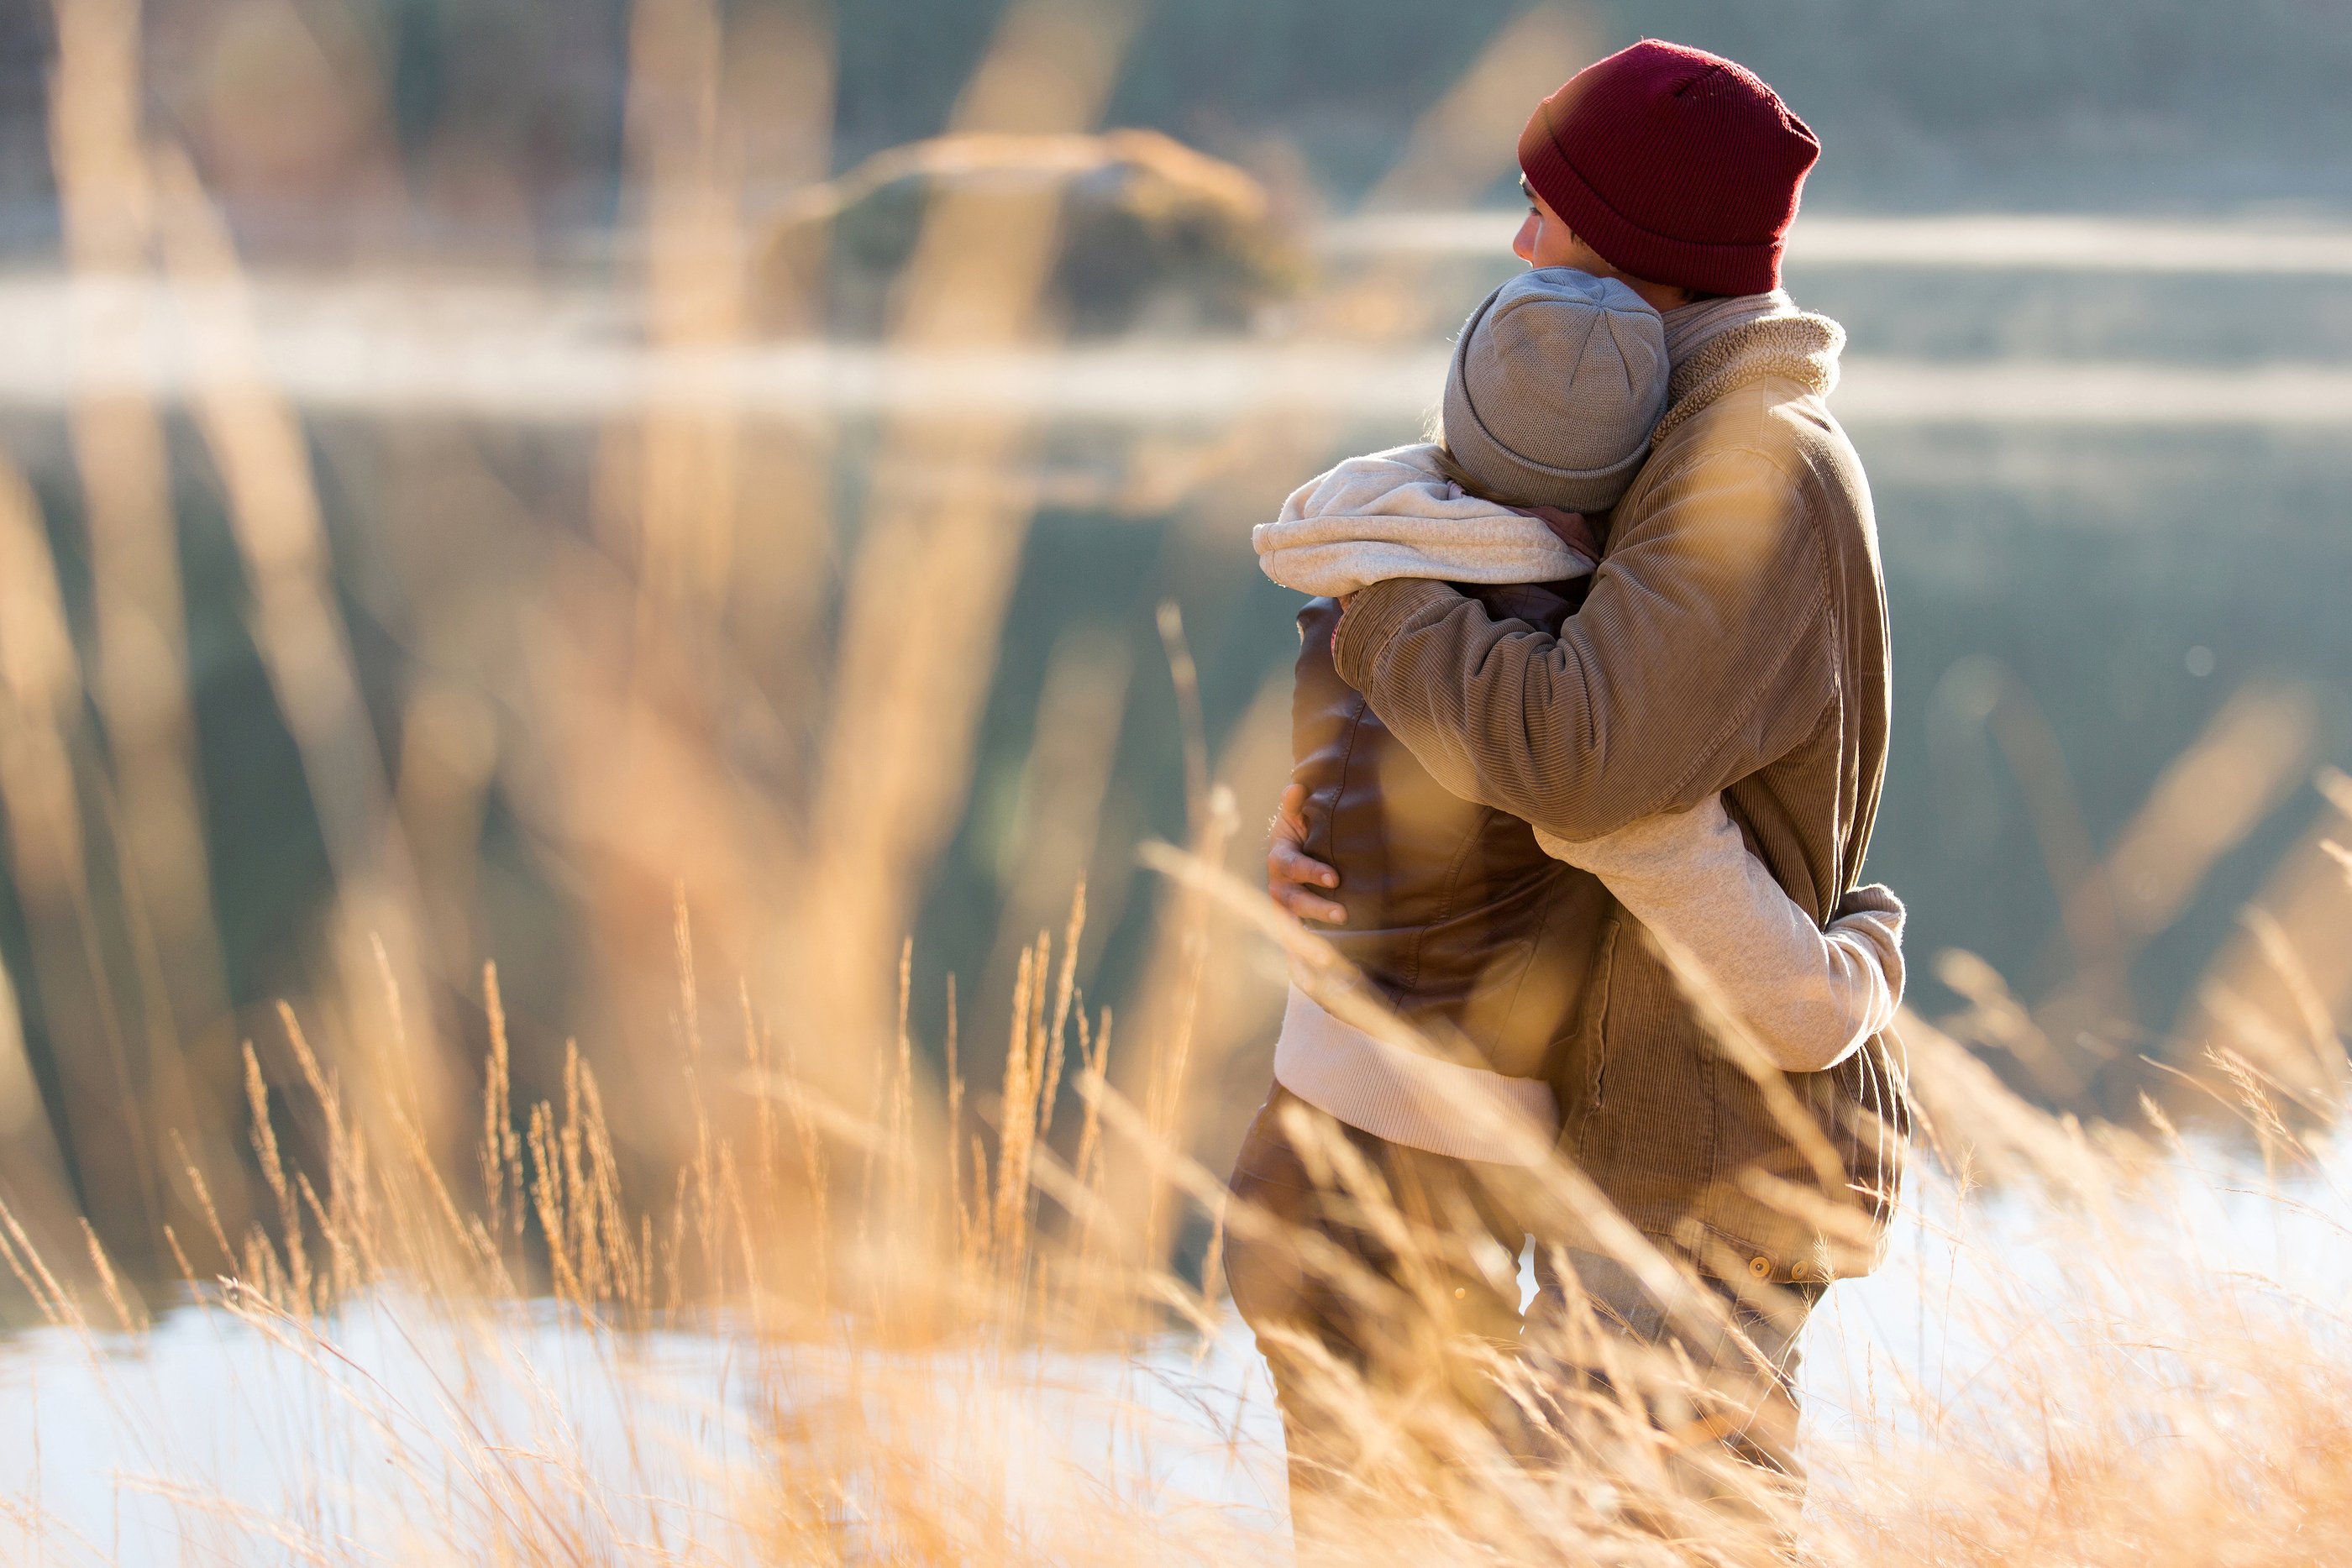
394 1430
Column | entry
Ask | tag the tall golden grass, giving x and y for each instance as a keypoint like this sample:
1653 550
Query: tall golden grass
927 1332
930 1266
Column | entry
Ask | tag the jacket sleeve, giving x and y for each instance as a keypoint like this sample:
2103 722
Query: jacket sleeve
1702 653
1807 998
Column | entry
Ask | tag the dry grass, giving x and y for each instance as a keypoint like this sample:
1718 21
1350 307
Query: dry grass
852 1335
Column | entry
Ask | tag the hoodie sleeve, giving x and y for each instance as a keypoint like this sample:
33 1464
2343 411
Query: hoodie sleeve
1393 515
1807 998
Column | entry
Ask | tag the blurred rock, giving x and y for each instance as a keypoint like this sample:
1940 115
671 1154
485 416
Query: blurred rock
1155 236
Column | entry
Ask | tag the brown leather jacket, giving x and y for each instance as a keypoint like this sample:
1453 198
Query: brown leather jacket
1453 913
1732 639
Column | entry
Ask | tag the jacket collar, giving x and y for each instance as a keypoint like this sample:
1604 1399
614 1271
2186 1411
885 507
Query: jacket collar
1802 348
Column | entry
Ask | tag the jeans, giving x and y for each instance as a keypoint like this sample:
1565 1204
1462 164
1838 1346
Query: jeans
1424 1329
1740 1389
1413 1326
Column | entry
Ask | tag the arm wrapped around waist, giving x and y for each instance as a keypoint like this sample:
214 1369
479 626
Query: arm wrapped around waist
1809 998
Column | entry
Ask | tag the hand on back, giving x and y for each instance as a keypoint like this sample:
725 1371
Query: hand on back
1291 874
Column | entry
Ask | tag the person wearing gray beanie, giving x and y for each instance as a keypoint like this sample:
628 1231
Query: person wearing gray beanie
1555 384
1425 1047
1557 380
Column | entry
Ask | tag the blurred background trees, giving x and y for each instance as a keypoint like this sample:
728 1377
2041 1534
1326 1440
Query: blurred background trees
2068 103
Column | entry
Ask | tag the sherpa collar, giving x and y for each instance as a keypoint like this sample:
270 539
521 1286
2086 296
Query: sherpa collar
1803 348
1690 328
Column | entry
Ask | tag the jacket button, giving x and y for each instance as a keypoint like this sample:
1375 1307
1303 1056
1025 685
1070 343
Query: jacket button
1761 1267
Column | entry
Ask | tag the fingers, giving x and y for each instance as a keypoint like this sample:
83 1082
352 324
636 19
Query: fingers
1285 862
1290 817
1305 904
1291 874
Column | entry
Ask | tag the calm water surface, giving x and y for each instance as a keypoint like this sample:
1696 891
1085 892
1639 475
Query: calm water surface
208 1433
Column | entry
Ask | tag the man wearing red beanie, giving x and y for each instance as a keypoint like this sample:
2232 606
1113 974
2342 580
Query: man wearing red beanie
1733 640
1675 166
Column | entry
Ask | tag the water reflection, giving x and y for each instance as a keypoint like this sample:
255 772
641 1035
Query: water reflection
396 1420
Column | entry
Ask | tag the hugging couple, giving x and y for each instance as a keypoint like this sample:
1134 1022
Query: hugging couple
1590 724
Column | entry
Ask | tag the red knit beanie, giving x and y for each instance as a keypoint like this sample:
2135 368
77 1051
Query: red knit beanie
1676 165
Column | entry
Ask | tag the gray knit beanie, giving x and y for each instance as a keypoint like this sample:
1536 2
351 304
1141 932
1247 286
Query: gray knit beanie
1557 380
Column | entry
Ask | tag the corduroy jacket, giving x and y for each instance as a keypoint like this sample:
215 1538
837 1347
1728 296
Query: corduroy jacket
1734 638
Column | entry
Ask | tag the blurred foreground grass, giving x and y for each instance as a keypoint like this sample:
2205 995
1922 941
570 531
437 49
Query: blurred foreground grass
849 1335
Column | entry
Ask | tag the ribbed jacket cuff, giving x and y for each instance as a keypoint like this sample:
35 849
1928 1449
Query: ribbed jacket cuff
1376 615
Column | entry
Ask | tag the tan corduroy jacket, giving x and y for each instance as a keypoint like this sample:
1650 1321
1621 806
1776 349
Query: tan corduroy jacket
1734 640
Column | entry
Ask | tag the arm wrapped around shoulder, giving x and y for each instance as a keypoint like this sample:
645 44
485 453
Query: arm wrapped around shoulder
1807 997
1394 515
